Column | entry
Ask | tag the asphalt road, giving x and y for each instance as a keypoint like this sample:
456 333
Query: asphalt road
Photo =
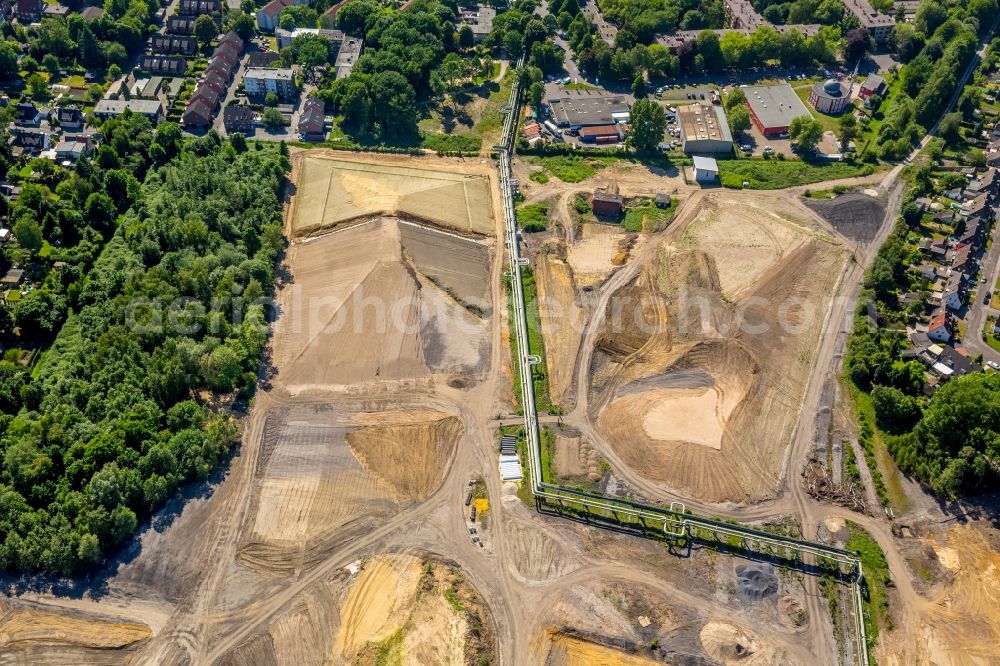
979 311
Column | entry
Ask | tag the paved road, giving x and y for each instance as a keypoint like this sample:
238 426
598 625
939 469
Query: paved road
979 312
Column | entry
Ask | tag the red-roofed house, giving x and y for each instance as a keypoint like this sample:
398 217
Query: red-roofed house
938 328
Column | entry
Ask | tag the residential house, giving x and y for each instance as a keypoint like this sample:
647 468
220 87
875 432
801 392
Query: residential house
231 40
927 271
972 233
260 81
92 13
208 95
268 15
480 20
607 204
112 108
163 65
959 363
939 328
13 278
198 114
71 150
180 25
28 11
312 121
227 56
168 44
199 7
69 118
985 183
28 114
939 249
873 85
962 259
951 295
55 11
238 118
29 141
954 194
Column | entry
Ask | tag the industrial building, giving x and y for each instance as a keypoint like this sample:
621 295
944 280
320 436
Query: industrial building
601 134
830 96
704 130
577 112
772 108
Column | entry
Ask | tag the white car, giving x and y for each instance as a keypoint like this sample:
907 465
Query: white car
993 364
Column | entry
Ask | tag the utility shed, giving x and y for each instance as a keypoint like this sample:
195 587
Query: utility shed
706 169
607 204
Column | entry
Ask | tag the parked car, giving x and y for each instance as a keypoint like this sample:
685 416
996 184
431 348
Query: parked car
993 364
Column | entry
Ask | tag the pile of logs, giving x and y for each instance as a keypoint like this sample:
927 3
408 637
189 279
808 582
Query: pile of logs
817 482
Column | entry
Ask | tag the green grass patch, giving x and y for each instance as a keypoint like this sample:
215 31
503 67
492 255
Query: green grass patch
779 174
539 177
533 218
886 477
451 596
648 217
451 143
390 651
579 85
573 168
989 336
876 570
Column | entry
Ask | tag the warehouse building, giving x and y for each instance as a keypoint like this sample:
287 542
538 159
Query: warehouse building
577 112
831 96
704 130
601 134
772 108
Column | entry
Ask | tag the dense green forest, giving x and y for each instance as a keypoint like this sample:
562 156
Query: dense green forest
111 423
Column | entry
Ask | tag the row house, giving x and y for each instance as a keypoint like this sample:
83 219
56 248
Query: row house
211 89
170 44
199 7
180 25
69 118
163 65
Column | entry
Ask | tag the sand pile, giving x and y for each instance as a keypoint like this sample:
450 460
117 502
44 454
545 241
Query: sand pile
700 391
569 650
408 449
333 192
27 630
735 645
358 311
562 320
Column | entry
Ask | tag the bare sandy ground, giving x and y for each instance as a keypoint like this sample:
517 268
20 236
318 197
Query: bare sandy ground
336 190
960 625
358 312
706 354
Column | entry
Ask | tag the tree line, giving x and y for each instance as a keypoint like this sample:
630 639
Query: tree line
112 422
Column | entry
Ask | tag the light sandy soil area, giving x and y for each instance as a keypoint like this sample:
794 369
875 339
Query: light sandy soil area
703 358
334 191
960 623
339 533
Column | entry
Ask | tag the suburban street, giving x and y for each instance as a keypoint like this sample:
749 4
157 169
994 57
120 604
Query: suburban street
979 312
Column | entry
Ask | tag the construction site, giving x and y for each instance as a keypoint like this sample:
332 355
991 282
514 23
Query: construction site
659 515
